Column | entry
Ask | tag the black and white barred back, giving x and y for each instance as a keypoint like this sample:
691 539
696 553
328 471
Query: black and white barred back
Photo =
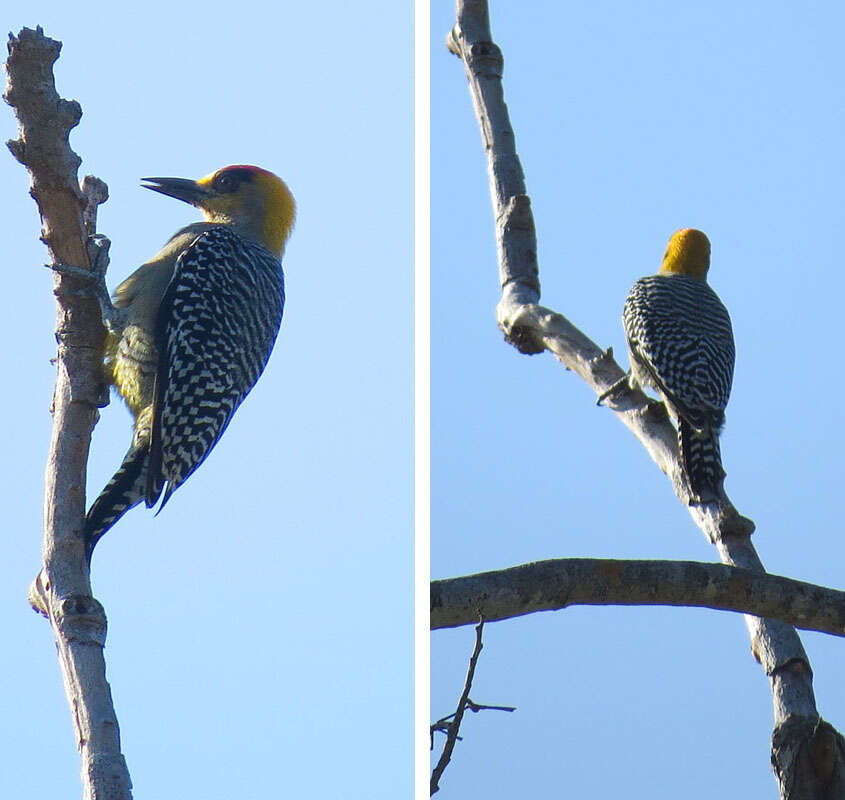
681 343
219 320
215 330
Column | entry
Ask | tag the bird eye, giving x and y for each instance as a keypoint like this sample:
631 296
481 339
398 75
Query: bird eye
225 183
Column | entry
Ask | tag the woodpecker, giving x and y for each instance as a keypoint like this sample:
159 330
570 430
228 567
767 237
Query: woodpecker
680 343
190 332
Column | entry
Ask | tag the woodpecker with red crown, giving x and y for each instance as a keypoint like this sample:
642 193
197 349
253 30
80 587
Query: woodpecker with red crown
191 330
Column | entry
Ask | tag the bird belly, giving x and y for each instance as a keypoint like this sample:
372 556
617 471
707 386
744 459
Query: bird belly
133 361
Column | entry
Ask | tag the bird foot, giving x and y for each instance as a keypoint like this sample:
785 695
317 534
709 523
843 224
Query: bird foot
614 391
94 279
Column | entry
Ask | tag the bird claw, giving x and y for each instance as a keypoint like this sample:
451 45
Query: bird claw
70 271
98 257
614 391
98 254
114 319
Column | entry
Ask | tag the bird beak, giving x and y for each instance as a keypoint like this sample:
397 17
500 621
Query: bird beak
181 188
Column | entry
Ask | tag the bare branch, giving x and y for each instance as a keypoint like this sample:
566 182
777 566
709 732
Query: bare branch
62 591
455 724
559 583
533 328
442 725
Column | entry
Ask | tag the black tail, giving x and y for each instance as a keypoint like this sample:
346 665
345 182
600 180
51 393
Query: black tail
124 491
701 460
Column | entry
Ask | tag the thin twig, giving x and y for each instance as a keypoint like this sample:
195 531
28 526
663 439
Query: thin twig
442 725
476 707
455 725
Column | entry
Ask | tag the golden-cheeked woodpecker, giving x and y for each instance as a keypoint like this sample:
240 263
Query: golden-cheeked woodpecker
191 330
680 343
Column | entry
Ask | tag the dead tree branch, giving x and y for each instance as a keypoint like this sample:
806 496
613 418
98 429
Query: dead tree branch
533 328
62 590
560 583
455 724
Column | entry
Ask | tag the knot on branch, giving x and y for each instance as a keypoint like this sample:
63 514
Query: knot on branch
516 321
732 524
70 112
808 759
17 147
485 59
524 340
80 618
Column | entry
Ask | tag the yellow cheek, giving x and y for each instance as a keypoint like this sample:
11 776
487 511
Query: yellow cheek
276 234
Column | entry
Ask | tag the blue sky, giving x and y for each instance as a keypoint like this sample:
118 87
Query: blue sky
260 624
634 120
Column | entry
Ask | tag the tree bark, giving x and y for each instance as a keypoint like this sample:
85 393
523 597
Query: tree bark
62 590
560 583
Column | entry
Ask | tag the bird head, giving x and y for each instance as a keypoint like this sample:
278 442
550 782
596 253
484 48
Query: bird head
688 253
250 199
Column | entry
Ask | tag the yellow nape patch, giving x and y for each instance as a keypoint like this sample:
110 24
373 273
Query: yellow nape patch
280 210
688 253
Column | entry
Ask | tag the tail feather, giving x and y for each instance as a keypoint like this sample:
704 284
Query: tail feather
701 461
124 491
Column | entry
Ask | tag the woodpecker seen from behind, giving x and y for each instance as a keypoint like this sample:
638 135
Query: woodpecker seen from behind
680 343
191 331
